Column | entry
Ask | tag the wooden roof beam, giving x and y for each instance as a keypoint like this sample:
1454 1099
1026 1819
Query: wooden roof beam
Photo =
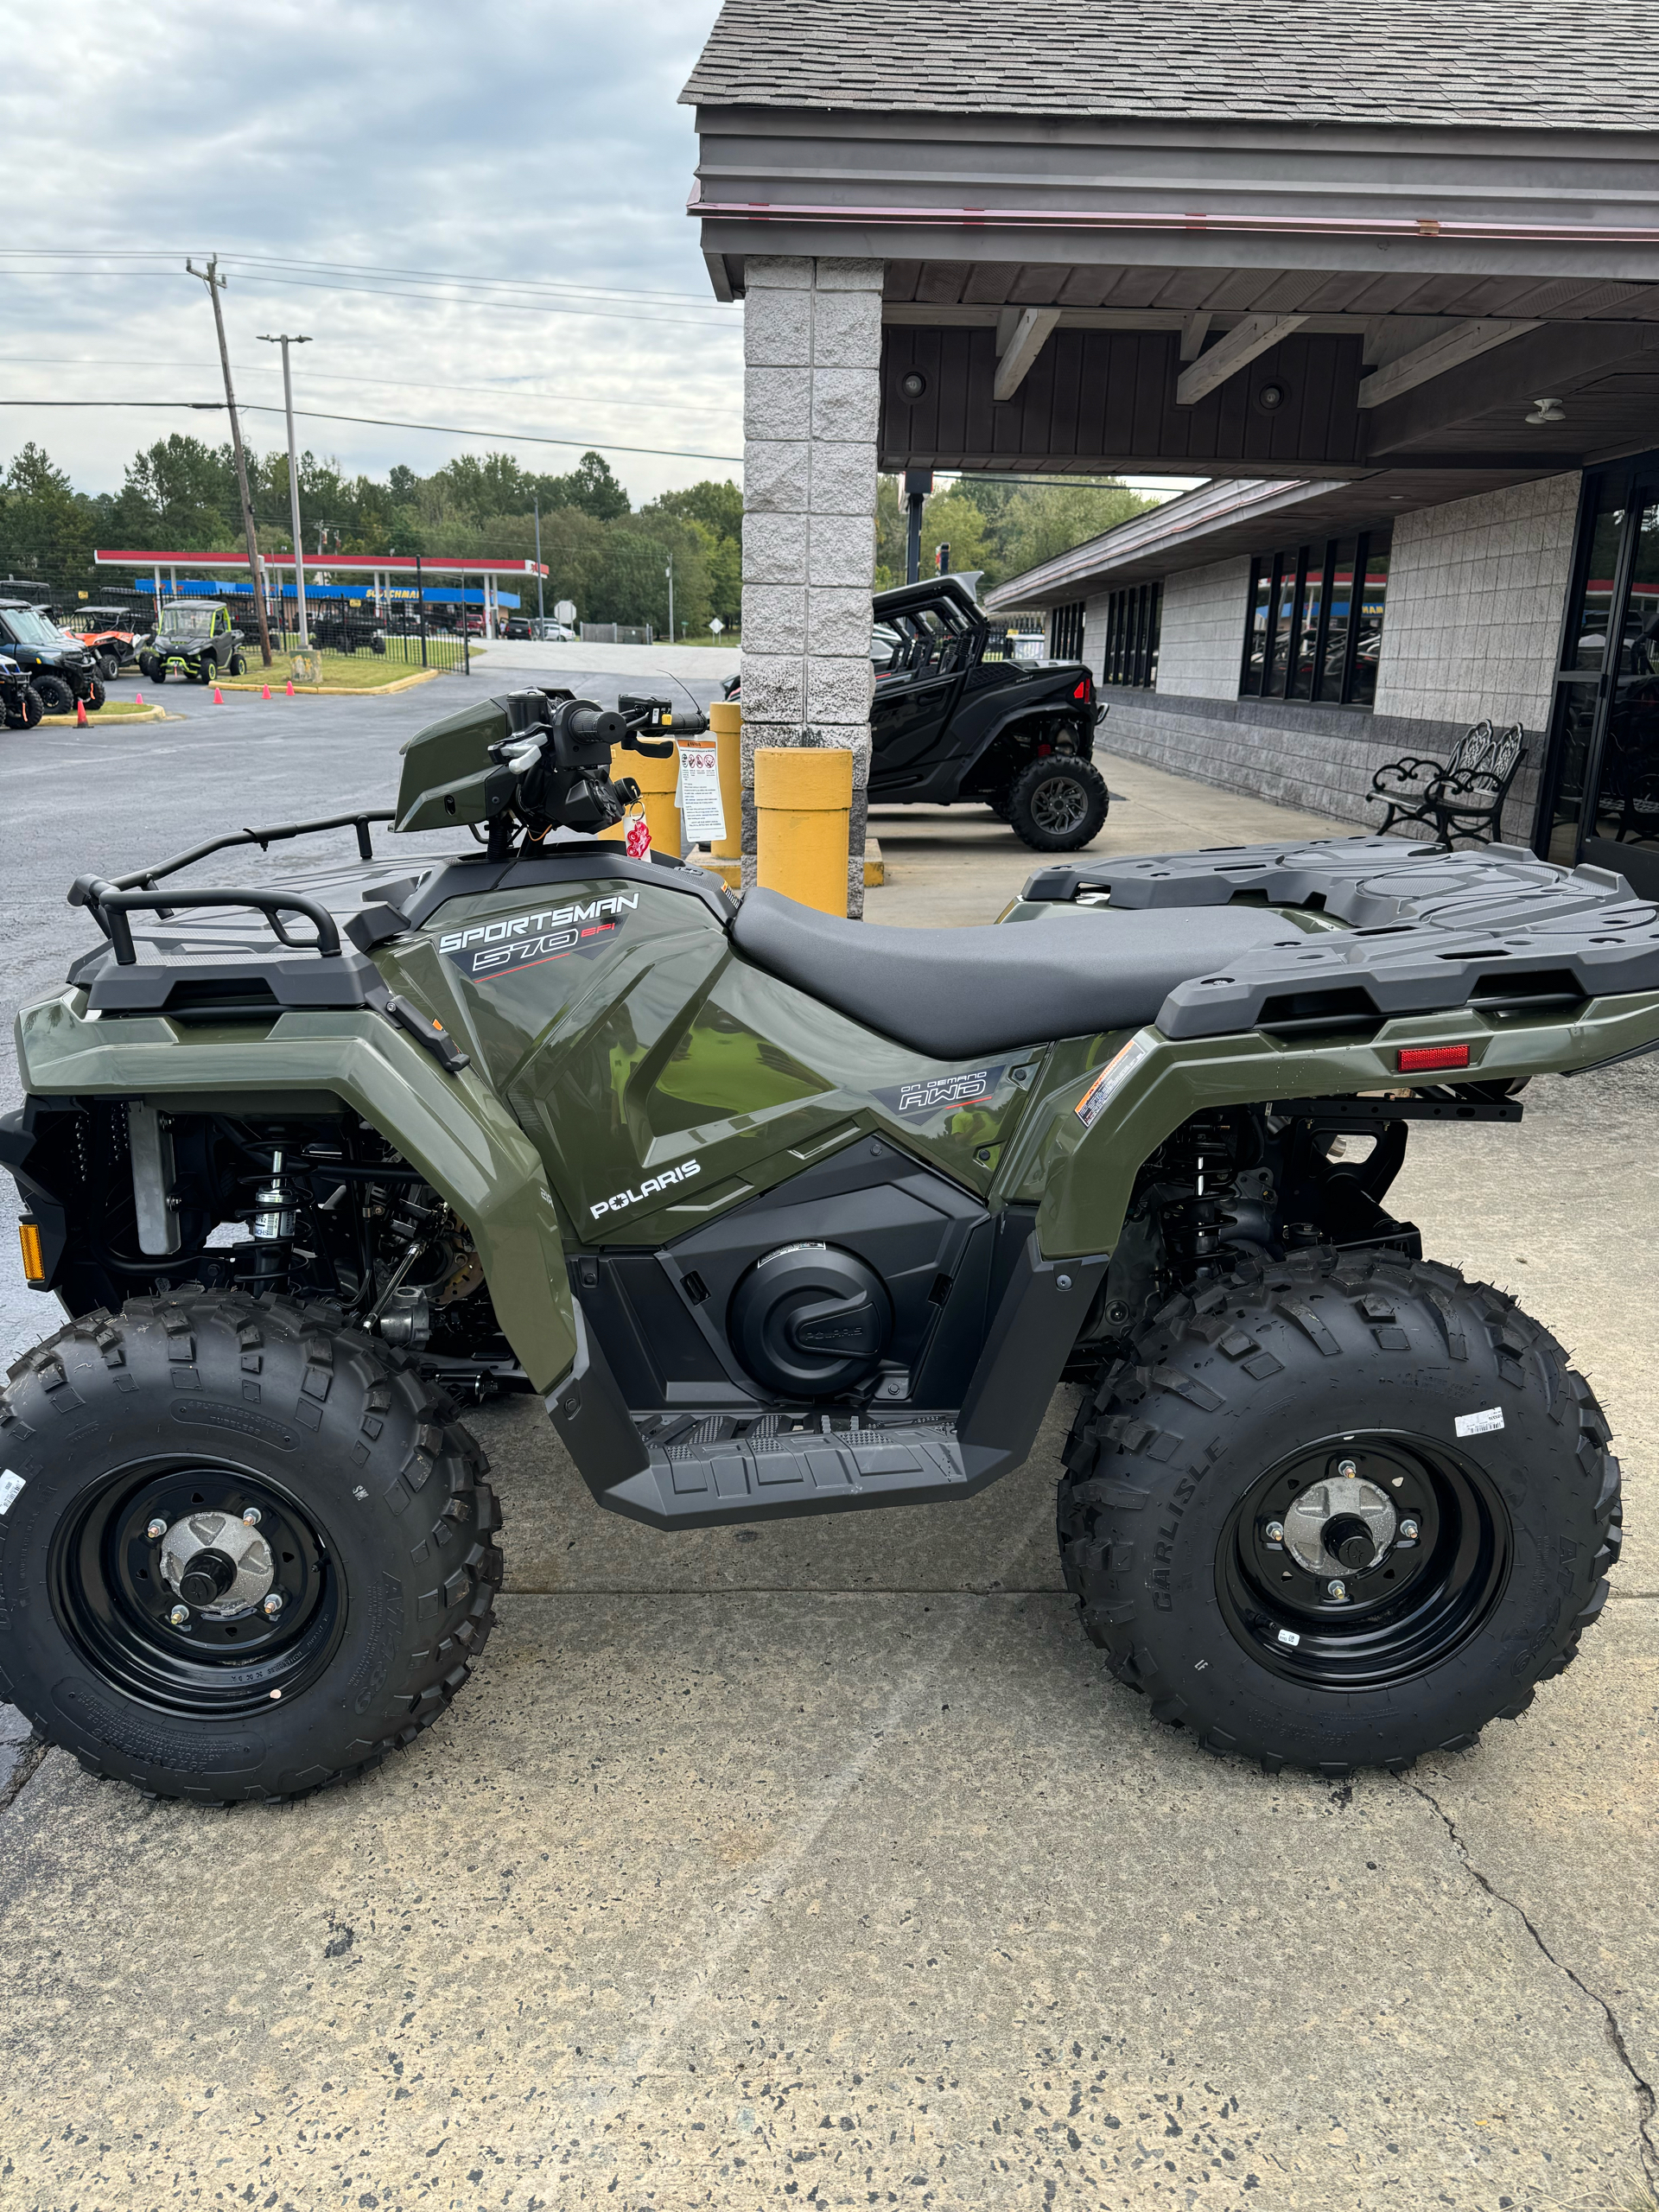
1020 339
1240 345
1448 349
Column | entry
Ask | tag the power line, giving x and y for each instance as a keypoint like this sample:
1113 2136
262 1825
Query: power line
326 376
351 269
384 422
714 321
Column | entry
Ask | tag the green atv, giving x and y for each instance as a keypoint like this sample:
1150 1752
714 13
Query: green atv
785 1215
193 639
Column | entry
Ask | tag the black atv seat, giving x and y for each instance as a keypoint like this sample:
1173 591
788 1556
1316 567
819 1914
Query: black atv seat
953 993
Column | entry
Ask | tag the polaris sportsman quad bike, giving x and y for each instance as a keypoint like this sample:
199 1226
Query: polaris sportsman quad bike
192 639
785 1215
949 727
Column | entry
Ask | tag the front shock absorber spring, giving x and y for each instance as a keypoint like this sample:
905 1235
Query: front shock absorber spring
273 1229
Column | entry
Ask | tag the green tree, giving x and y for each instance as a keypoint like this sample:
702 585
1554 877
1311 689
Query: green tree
1043 523
590 486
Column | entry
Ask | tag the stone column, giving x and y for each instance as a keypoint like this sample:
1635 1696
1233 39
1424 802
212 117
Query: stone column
812 349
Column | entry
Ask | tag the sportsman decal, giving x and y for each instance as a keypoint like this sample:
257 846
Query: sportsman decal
510 942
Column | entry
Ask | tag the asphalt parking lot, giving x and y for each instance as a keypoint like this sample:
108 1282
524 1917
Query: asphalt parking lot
822 1863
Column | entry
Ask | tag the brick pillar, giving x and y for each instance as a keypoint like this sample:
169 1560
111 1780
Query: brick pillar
812 348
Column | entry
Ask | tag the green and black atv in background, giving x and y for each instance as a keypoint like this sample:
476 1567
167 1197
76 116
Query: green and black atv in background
193 639
785 1215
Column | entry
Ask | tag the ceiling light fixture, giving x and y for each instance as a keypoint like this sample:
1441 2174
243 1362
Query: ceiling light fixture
1548 410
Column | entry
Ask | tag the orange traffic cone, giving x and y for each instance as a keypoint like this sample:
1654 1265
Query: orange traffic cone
80 714
219 696
265 691
290 686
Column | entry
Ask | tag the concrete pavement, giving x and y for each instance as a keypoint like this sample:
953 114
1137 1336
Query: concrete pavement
822 1862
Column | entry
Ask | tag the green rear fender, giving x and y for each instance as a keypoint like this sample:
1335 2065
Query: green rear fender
452 1127
1077 1159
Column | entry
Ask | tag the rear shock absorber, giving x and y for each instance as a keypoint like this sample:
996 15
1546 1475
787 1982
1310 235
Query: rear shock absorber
1192 1226
273 1229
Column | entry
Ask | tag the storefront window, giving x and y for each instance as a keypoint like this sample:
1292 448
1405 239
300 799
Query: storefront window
1314 626
1586 631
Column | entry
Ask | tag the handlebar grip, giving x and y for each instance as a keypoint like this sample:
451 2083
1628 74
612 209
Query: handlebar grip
603 723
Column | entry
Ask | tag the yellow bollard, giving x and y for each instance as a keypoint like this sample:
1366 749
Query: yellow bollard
803 805
725 721
658 780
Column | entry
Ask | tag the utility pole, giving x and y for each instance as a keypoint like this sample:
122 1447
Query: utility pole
216 283
541 597
293 486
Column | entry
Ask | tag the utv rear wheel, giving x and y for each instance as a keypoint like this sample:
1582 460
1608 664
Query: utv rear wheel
109 667
249 1552
1058 804
56 697
1340 1512
238 665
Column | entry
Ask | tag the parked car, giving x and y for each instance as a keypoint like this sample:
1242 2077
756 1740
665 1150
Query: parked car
110 635
61 670
551 632
948 726
518 626
194 638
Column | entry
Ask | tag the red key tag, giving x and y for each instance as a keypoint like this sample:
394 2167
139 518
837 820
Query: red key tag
637 843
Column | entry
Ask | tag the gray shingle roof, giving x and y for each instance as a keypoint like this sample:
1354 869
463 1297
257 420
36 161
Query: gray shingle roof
1549 63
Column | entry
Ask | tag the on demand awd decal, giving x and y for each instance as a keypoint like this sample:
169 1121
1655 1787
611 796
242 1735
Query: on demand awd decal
511 942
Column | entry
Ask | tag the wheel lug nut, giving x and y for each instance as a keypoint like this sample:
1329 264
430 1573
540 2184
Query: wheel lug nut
179 1616
1275 1532
1337 1589
274 1604
1347 1469
156 1531
1409 1531
251 1517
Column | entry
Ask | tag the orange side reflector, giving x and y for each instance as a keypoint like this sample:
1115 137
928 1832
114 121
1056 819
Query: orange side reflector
33 1265
1422 1059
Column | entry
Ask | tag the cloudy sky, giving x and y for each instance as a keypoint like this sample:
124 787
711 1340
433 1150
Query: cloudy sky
476 214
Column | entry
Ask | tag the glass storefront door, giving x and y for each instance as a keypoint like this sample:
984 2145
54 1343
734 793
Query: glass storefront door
1603 790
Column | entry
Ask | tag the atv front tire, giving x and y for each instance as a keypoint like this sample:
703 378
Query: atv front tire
1058 804
1481 1480
175 1468
56 697
96 694
28 712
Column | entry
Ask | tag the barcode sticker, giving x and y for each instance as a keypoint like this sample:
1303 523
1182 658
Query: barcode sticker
1480 1424
1288 1636
9 1486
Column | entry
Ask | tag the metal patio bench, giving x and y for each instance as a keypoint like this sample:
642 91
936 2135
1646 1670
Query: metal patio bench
1461 796
1469 802
1408 787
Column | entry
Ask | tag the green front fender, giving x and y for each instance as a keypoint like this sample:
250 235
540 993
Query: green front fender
452 1127
1084 1171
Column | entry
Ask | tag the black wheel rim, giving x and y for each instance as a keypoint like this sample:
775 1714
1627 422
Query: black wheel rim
112 1601
1058 805
1418 1602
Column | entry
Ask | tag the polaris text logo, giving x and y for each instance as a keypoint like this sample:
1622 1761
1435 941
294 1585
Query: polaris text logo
514 941
922 1097
652 1183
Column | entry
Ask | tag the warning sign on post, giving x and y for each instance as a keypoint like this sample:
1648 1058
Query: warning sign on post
698 793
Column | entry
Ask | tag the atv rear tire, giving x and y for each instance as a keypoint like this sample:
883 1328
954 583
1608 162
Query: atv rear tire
109 667
1058 804
238 665
373 1529
56 696
1186 1461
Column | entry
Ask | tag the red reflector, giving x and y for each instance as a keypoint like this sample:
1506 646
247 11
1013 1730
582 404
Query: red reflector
1081 690
1420 1059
